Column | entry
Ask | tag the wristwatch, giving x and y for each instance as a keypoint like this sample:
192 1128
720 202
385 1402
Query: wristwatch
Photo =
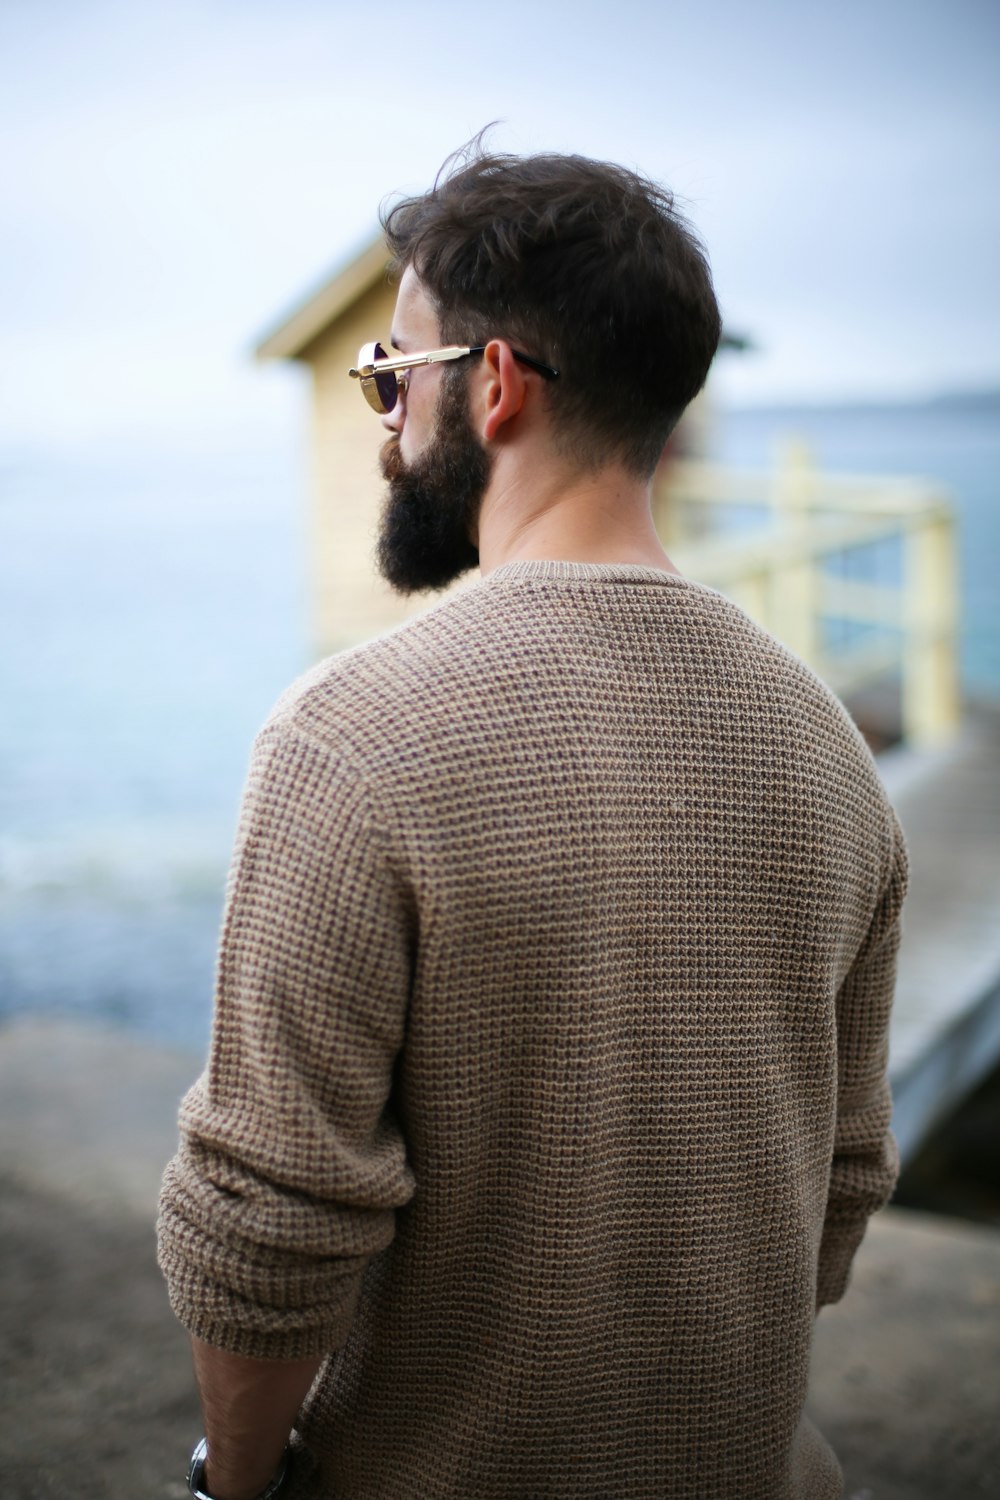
196 1474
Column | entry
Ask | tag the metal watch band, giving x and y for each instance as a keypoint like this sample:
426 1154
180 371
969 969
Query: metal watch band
196 1474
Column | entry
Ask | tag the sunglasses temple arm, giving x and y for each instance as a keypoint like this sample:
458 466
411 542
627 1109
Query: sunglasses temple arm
410 362
439 356
536 364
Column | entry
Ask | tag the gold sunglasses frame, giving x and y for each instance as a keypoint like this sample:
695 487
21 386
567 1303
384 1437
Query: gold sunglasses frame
369 366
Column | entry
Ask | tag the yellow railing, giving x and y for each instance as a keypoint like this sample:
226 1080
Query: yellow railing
780 572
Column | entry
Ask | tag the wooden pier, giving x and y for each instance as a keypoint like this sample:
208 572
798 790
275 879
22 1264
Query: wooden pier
946 1021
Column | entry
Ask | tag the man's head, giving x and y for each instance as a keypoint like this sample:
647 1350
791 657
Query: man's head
581 264
584 264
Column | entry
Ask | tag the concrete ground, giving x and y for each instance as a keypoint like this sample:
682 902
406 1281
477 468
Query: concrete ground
906 1369
96 1393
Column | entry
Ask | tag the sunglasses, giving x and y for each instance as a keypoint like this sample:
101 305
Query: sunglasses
380 384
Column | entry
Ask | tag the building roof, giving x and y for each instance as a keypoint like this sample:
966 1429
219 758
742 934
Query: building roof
297 330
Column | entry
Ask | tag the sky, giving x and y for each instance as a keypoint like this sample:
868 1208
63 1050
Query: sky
174 177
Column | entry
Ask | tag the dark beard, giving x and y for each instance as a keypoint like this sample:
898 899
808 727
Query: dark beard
432 504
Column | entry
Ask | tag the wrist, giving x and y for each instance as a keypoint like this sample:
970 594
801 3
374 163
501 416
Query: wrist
201 1483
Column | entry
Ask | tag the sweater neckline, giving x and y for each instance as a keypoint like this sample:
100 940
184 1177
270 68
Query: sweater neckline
609 572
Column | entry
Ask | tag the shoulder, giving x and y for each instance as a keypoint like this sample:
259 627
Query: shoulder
353 703
830 752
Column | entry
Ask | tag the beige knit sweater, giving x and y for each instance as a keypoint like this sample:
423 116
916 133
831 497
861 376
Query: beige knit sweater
547 1087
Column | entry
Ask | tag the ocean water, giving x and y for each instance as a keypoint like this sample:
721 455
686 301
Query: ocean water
151 614
148 624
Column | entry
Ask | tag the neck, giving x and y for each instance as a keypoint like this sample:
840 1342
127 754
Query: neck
596 517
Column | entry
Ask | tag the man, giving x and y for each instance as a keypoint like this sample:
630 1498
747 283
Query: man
547 1098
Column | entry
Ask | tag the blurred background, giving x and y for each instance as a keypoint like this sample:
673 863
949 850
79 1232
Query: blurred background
177 178
189 259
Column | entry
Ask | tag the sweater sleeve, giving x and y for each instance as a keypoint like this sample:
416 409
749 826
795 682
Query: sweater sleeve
291 1162
865 1159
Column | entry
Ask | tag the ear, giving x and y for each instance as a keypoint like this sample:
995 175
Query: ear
502 390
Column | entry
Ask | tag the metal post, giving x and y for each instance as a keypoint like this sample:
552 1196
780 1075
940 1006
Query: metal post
930 687
792 613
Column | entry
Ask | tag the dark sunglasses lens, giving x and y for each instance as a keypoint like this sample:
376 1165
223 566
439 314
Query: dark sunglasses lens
385 384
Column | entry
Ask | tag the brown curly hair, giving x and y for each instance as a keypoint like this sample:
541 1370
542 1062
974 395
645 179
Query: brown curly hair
584 264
